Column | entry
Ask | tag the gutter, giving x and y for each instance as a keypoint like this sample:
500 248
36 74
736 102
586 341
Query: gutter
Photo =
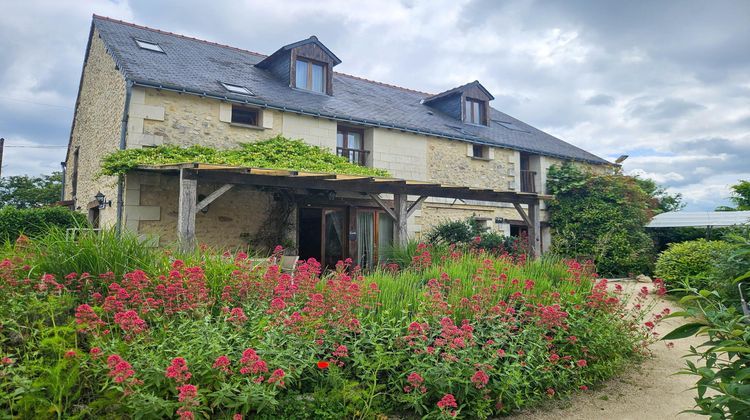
123 144
64 166
342 118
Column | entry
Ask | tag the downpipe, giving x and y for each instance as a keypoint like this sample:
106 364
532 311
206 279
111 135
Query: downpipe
123 137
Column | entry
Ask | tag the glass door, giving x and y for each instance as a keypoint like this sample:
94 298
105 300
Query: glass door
334 223
366 238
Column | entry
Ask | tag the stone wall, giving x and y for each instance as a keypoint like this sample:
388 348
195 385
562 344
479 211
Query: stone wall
96 130
162 117
450 162
232 221
318 131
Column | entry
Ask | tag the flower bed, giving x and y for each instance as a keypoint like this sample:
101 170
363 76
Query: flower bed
461 334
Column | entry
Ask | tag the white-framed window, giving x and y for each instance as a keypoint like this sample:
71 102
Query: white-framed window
148 45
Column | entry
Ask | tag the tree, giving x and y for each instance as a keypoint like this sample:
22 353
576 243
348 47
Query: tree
666 201
601 217
740 197
25 192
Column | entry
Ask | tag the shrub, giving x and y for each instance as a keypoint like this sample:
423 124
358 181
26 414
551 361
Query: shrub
601 217
690 262
721 364
37 221
468 232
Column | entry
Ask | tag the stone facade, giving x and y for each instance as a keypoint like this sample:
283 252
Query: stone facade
234 220
96 130
163 117
451 162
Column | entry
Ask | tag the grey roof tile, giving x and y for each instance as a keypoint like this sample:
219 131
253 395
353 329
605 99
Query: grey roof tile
199 67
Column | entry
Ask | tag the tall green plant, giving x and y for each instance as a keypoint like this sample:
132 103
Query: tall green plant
61 253
601 217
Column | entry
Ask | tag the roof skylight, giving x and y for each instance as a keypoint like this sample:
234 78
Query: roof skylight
511 126
151 46
236 88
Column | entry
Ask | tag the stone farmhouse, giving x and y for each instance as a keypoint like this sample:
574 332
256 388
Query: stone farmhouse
450 155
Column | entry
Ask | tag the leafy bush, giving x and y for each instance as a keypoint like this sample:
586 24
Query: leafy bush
601 217
723 380
469 232
457 333
36 221
275 153
690 262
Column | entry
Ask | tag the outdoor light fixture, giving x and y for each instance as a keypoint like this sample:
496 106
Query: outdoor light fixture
100 198
499 220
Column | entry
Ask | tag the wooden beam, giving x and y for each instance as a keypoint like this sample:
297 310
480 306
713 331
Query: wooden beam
414 205
399 225
213 196
520 211
186 209
384 206
535 230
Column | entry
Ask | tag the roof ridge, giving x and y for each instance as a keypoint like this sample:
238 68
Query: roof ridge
134 25
381 83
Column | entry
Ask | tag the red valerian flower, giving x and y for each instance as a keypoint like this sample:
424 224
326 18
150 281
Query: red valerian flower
86 318
276 377
583 388
237 316
581 363
6 361
322 365
550 392
95 352
415 383
130 323
70 354
178 370
480 379
222 363
446 403
187 392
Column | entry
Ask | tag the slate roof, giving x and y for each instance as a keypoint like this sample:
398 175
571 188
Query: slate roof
196 66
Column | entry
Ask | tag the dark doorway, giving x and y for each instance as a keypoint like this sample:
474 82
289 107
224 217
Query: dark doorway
94 217
310 239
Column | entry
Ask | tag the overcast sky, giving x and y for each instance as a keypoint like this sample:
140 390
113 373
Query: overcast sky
667 83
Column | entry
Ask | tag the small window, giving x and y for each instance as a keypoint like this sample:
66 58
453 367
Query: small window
474 111
236 89
148 46
350 144
245 116
310 75
480 152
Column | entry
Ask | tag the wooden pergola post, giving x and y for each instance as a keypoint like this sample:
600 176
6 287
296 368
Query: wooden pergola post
400 209
535 230
534 225
187 209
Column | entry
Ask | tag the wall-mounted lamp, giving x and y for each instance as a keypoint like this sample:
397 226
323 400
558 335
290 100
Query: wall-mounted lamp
103 204
499 220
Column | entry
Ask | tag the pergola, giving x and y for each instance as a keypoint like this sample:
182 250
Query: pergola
229 176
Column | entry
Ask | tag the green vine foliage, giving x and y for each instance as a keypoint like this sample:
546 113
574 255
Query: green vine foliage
275 153
601 217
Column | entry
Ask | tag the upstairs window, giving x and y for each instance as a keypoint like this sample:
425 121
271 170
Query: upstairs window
350 144
146 45
245 116
474 111
310 75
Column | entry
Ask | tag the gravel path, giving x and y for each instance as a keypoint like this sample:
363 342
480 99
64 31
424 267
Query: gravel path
649 391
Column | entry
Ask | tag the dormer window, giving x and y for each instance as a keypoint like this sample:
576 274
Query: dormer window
306 64
310 75
469 103
474 111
